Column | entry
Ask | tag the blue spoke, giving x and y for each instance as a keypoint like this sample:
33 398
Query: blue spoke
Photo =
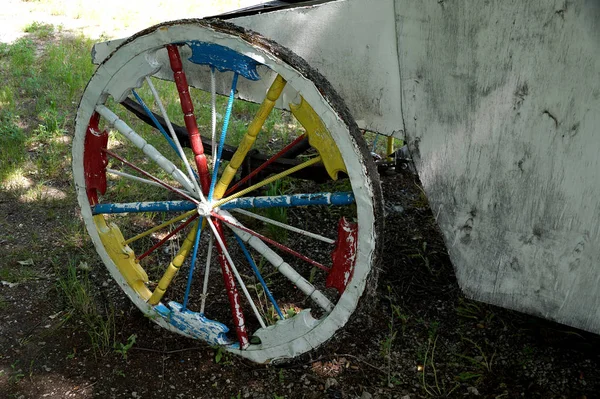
159 126
192 264
258 276
213 181
136 207
286 201
156 123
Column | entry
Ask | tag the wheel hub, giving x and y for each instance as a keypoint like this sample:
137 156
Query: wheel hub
204 209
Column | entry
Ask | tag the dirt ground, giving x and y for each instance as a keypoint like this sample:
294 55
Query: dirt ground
419 338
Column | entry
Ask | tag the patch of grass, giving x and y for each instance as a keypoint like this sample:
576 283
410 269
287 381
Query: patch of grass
83 309
20 274
39 29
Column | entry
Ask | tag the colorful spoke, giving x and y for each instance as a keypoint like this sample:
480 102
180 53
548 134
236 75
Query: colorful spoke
171 234
155 121
174 266
284 268
192 266
138 179
259 276
213 116
264 165
277 201
223 135
235 272
206 274
285 226
148 149
267 181
165 116
137 207
250 137
156 179
160 226
232 293
188 115
230 221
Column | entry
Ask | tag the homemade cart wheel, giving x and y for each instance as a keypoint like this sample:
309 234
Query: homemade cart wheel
280 301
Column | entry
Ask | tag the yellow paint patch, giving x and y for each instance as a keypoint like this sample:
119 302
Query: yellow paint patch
122 256
319 138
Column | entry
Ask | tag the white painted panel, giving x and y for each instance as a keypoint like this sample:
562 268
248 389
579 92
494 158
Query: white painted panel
502 108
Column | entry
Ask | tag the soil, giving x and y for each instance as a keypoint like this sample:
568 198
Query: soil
472 349
418 338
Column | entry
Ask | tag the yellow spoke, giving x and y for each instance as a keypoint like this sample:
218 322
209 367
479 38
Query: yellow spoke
160 226
250 137
269 180
173 268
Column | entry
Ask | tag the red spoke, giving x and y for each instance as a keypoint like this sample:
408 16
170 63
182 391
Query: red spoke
232 292
188 115
157 180
171 234
264 165
272 242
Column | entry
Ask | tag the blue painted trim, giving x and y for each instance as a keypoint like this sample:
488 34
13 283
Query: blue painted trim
135 207
213 181
192 264
223 58
286 201
194 324
258 276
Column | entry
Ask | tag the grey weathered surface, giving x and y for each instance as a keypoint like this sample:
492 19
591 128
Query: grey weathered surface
501 102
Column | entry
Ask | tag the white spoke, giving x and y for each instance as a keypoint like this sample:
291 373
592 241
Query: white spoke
285 226
148 149
174 137
206 273
213 94
140 179
235 272
282 266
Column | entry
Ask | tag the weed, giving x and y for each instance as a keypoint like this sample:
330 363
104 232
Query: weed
482 361
119 372
82 307
437 388
16 374
124 348
222 356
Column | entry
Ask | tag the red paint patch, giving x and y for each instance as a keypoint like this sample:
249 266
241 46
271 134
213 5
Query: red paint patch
95 160
343 256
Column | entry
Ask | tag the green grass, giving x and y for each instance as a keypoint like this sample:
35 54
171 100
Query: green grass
39 29
83 309
40 88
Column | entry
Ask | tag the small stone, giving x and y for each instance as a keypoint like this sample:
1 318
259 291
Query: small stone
330 382
134 394
406 397
366 395
473 391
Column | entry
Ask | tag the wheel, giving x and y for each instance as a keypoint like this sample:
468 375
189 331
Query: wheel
268 269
